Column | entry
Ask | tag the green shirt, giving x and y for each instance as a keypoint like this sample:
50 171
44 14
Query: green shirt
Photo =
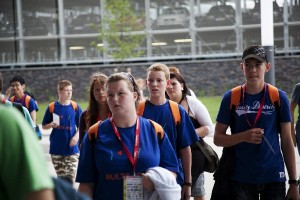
23 166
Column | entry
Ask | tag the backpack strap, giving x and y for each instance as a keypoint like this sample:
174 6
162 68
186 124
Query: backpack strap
74 105
175 112
27 101
141 108
93 133
93 130
275 99
235 97
159 130
174 109
274 95
51 107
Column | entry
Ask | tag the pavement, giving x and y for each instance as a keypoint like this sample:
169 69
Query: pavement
209 182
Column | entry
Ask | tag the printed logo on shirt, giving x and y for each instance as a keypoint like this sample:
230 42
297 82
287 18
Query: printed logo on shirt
281 174
245 109
115 176
64 127
120 153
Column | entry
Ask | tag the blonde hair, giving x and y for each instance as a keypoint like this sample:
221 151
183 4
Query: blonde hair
62 84
159 67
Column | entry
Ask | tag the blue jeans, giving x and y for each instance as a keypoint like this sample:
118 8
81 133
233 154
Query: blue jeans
269 191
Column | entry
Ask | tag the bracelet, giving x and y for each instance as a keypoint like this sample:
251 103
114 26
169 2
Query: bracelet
293 181
187 184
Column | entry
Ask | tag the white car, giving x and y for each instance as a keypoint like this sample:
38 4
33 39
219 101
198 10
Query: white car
176 17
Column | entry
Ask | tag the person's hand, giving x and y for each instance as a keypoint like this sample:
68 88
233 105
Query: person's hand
147 183
293 193
74 140
254 135
186 192
53 125
8 92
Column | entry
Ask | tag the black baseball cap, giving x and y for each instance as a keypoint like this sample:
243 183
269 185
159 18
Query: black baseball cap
255 51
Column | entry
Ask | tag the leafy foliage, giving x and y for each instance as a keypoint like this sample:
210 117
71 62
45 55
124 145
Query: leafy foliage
121 31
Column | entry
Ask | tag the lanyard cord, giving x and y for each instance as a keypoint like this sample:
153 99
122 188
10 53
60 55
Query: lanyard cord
258 114
132 159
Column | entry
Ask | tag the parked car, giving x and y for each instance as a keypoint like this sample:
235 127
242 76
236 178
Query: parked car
176 17
85 24
219 15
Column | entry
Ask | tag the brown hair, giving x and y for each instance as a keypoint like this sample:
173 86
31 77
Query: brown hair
133 87
92 109
62 84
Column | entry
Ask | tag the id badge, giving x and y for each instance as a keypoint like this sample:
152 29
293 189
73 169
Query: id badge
132 188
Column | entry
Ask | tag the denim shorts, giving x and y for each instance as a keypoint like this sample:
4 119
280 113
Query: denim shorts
269 191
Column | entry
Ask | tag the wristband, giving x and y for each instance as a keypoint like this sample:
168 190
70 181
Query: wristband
293 181
187 184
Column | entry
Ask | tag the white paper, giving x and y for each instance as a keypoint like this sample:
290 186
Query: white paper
56 119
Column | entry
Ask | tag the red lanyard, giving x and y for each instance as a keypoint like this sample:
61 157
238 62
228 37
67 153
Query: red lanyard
132 159
262 102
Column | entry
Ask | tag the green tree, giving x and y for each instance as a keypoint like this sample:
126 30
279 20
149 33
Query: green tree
122 31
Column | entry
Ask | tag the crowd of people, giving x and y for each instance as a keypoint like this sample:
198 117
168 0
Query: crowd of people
128 145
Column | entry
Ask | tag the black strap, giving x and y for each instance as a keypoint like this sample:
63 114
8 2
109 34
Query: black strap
19 107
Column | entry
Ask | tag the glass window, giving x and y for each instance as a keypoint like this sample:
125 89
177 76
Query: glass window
39 20
216 41
82 49
41 50
170 44
8 51
82 16
7 19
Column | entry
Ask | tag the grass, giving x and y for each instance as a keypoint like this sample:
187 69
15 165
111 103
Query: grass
212 104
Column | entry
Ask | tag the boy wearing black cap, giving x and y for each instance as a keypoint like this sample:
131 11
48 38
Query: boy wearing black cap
261 147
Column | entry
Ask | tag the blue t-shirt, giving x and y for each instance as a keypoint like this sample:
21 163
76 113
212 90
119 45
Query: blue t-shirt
61 136
180 137
107 165
32 104
257 163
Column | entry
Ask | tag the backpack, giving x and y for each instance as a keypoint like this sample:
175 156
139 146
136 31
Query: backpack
236 94
93 132
222 176
174 109
27 100
73 103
